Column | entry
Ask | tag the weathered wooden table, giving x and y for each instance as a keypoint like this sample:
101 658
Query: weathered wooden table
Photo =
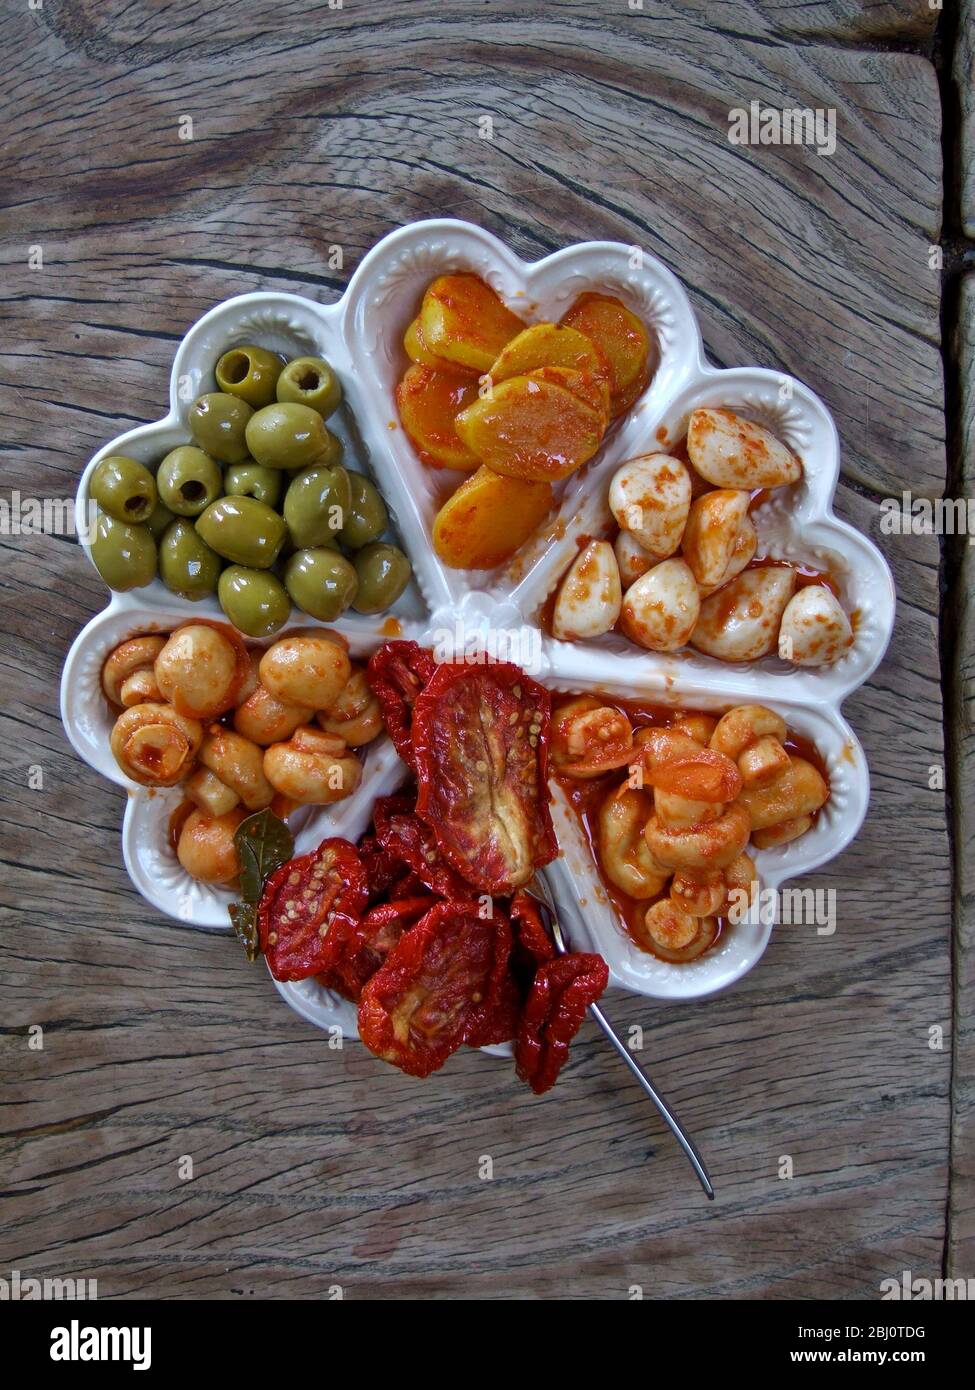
316 126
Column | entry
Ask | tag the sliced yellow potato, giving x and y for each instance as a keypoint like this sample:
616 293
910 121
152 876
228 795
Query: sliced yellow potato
463 320
416 348
591 389
547 345
487 519
428 402
530 427
622 339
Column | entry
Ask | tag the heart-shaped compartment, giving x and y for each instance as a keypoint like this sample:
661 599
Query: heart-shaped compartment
362 336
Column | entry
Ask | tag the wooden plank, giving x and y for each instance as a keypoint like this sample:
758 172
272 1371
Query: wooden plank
963 75
961 606
314 1167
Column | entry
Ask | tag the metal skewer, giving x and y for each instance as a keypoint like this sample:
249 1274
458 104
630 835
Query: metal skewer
670 1119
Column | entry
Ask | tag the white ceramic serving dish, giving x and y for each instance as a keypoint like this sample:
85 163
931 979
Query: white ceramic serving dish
361 335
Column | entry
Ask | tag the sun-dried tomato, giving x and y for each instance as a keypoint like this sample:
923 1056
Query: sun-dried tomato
495 1015
301 901
397 673
499 1023
415 1010
480 737
383 869
402 833
556 1005
534 945
363 946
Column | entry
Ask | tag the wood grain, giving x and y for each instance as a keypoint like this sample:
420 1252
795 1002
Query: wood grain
313 1167
963 74
962 711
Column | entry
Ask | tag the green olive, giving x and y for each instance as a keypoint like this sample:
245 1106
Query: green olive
316 505
158 520
384 572
244 531
321 582
124 488
255 602
218 423
250 373
187 565
251 480
367 518
124 555
291 436
189 480
310 381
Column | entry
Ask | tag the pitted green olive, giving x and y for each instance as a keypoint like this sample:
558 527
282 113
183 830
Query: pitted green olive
251 480
255 602
189 480
243 530
316 506
124 555
250 373
218 423
187 565
159 520
310 381
321 582
384 572
124 488
288 435
367 518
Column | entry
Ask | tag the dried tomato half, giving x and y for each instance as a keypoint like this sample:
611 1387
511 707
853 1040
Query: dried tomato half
415 1010
301 901
401 833
494 1018
363 946
534 944
556 1005
383 869
480 736
397 673
498 1023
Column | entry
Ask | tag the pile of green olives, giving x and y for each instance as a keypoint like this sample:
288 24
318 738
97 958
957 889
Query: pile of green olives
258 509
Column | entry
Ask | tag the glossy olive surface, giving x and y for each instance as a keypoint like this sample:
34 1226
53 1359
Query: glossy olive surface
310 381
218 423
384 572
124 488
367 517
243 530
255 601
316 505
322 582
158 520
250 479
288 435
124 555
187 565
189 480
250 373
